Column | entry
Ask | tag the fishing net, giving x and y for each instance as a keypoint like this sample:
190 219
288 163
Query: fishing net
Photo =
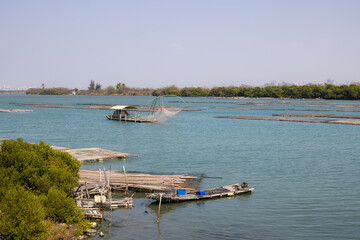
157 111
162 114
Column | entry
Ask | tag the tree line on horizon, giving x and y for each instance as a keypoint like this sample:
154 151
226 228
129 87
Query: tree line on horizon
323 91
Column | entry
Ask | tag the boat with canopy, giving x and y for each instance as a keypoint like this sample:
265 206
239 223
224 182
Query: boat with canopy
154 111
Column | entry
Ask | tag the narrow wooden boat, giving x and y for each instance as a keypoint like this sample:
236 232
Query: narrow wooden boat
181 196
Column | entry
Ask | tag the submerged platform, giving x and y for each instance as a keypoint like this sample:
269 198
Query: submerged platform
86 154
288 119
3 110
89 154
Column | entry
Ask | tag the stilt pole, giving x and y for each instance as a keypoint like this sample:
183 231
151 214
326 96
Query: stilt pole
158 217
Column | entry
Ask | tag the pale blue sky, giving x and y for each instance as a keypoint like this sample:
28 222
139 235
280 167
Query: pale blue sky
186 43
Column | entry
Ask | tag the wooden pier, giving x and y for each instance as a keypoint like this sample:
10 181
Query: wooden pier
89 178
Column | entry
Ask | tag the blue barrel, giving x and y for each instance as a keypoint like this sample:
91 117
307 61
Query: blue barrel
181 192
200 193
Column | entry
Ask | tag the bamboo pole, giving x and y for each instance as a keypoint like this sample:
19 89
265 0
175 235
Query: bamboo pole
127 187
158 216
105 177
87 191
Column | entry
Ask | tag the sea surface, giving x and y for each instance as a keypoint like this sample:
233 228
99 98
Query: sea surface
306 175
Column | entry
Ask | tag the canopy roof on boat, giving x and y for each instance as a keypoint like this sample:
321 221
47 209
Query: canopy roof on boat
121 107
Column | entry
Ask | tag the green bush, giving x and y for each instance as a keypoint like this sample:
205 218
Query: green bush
59 207
52 91
22 215
36 183
38 167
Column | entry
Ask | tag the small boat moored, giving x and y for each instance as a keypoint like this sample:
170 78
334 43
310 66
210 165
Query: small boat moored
180 195
153 111
128 113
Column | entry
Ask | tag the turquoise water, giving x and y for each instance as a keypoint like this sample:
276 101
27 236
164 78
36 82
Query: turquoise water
305 175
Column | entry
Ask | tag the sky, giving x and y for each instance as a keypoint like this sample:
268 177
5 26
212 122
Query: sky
187 43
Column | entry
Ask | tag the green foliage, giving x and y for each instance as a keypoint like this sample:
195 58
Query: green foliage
38 167
98 86
120 87
51 91
36 183
22 215
111 90
172 90
155 93
59 207
327 91
91 85
81 227
194 92
33 91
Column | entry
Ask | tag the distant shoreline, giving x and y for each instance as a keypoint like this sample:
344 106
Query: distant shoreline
212 97
11 91
313 91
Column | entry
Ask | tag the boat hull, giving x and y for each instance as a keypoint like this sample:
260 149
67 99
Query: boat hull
227 191
138 120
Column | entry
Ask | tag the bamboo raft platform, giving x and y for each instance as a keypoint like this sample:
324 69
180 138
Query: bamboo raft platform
288 119
92 154
89 154
89 178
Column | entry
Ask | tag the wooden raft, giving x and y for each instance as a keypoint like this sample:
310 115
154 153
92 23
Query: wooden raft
85 154
138 181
